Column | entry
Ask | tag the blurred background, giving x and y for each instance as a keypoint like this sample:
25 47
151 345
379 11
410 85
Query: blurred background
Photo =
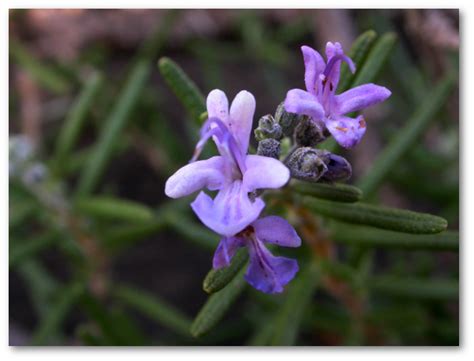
86 93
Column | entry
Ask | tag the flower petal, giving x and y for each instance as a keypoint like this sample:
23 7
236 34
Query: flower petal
230 212
314 65
301 102
226 250
264 172
240 123
266 272
361 97
347 131
195 176
217 105
333 49
276 230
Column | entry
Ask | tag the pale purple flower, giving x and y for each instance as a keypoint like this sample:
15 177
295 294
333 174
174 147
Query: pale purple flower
265 272
321 102
234 173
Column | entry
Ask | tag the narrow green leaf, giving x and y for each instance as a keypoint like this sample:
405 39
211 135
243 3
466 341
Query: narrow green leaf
120 237
58 312
359 50
203 117
45 75
183 87
387 218
372 237
407 136
114 125
438 289
217 305
114 208
154 308
290 316
376 59
76 118
218 279
30 247
333 192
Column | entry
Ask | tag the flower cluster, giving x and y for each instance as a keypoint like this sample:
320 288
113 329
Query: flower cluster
307 118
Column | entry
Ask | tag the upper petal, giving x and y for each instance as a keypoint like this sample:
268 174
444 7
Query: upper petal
264 172
301 102
273 229
230 212
226 250
347 131
240 123
217 105
314 65
195 176
361 97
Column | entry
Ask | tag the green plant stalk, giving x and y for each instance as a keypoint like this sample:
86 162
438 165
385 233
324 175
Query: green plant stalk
407 136
183 87
381 217
217 305
102 207
218 279
154 308
76 118
114 125
371 237
358 53
289 318
333 192
58 312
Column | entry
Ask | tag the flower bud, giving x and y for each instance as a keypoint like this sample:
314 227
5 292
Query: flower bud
287 121
310 132
338 169
269 148
308 164
268 128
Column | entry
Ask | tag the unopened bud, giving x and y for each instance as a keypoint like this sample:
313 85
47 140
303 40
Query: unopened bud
338 169
310 132
308 164
269 148
268 128
287 121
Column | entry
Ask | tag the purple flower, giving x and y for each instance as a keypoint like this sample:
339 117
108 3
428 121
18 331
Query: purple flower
234 173
321 102
266 272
